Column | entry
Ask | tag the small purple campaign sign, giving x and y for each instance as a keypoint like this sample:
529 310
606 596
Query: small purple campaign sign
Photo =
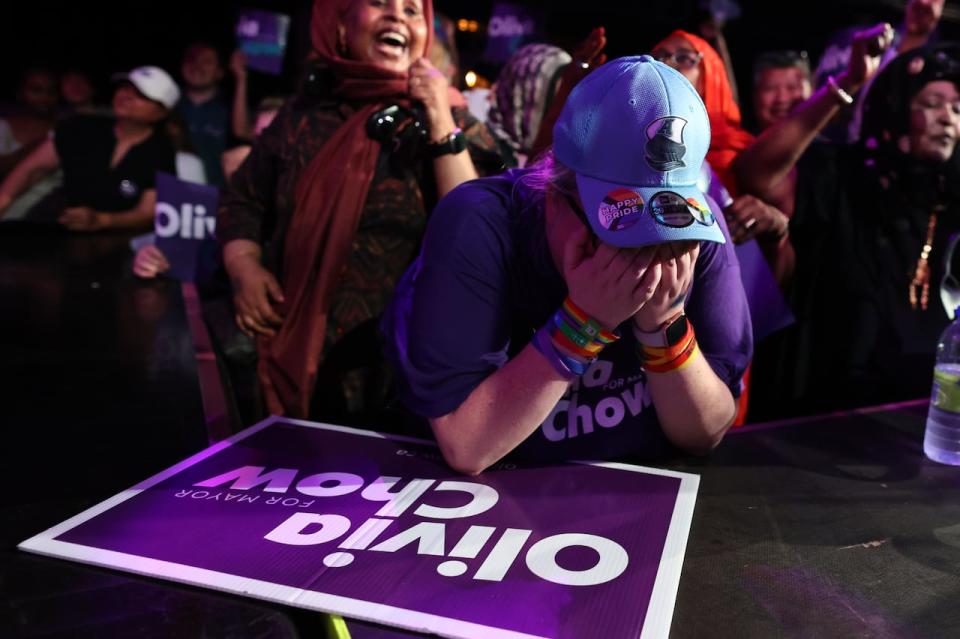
262 36
184 218
510 27
378 528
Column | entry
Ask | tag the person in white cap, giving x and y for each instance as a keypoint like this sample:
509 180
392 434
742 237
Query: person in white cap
109 163
589 307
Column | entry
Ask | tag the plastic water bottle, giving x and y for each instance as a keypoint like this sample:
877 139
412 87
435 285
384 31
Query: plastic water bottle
941 440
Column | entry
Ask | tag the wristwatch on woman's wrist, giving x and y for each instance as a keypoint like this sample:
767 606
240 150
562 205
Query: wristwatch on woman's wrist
453 143
669 334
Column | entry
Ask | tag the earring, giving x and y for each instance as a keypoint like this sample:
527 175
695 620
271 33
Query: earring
341 40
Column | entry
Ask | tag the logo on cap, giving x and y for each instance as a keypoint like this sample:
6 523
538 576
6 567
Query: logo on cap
701 212
128 188
665 148
620 209
670 209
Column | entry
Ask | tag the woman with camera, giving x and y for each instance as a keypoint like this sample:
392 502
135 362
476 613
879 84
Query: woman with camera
320 221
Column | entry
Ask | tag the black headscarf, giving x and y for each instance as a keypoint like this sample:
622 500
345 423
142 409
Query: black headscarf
886 111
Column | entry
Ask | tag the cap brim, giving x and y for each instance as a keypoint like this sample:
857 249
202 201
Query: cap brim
125 77
630 216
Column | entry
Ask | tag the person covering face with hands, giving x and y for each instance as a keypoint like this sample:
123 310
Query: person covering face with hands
589 306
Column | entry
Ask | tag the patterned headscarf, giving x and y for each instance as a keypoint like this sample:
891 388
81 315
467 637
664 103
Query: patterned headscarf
523 93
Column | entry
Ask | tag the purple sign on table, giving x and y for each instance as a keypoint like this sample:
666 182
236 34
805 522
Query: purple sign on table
262 36
185 217
378 528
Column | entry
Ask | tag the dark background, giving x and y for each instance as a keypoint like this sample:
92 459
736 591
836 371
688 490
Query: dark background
103 37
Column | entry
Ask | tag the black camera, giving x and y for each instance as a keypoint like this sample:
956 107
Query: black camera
396 126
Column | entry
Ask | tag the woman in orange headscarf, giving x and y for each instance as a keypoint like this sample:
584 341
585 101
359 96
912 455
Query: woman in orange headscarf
701 64
747 217
324 216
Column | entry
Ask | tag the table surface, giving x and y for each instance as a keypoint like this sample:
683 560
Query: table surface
830 526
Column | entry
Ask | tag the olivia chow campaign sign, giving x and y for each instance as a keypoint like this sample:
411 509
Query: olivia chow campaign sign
378 528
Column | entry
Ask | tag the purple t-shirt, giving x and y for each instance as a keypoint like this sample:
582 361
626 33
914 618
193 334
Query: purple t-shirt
485 282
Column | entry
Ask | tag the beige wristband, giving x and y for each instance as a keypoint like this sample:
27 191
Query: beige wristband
842 96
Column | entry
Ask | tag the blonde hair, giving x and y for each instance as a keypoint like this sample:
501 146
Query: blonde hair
548 175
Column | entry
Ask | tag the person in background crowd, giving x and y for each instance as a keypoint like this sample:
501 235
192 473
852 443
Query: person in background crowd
209 122
522 95
77 93
709 20
884 211
538 291
701 65
319 222
897 213
264 115
748 217
26 128
587 56
109 164
781 81
768 167
149 261
237 352
920 21
919 27
443 54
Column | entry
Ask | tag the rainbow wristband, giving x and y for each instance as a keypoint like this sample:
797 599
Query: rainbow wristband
675 364
664 359
574 341
575 350
587 324
670 358
567 367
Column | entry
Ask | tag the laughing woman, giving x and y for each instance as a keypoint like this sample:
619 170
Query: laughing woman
320 221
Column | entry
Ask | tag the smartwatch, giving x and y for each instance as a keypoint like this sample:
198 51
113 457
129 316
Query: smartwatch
669 334
453 143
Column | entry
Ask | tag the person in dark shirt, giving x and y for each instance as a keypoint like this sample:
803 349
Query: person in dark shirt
873 226
210 123
888 210
109 163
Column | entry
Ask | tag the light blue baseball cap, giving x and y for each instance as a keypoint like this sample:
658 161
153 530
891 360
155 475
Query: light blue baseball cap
635 133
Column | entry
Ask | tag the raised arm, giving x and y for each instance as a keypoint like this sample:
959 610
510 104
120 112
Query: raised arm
41 160
430 87
240 111
761 168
